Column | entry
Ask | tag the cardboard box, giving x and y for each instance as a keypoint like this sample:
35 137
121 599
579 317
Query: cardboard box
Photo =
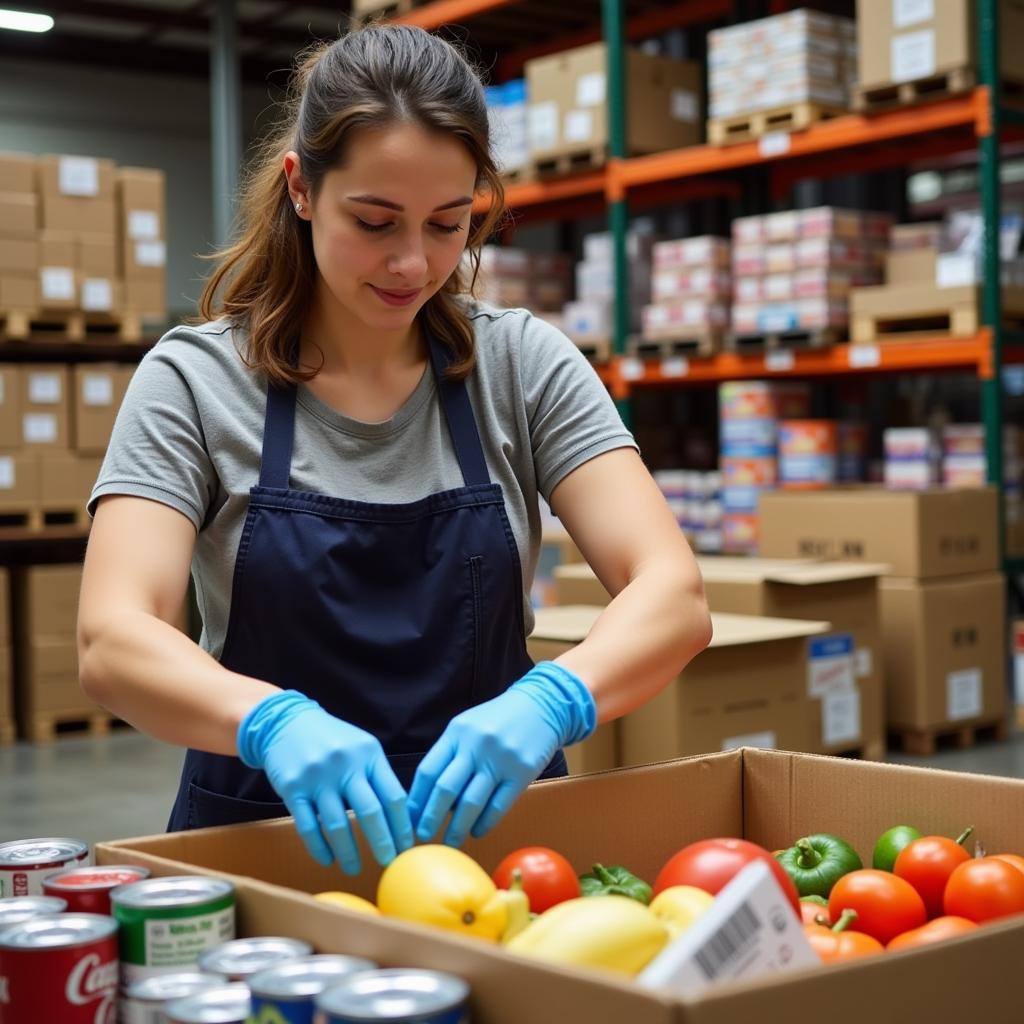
6 693
921 534
944 645
79 215
78 177
45 406
146 295
141 198
619 817
97 255
911 266
46 602
17 173
5 608
19 482
10 406
19 215
19 256
19 292
47 681
98 391
66 480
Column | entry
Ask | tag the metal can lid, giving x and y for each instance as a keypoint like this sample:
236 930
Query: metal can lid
58 931
159 988
226 1004
239 958
40 853
15 909
300 979
171 891
87 878
396 994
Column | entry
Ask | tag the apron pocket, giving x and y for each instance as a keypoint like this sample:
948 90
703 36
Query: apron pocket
474 579
206 808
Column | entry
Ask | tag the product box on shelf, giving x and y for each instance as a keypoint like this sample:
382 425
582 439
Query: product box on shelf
10 406
98 389
66 480
19 215
19 255
45 407
19 293
18 173
19 482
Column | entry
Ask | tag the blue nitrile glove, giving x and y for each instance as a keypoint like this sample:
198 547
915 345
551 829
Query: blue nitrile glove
319 766
490 753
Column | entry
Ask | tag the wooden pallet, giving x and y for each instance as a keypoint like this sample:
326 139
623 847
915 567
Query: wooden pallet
774 341
590 159
926 742
597 350
938 86
38 519
515 175
8 733
71 325
45 728
793 118
707 343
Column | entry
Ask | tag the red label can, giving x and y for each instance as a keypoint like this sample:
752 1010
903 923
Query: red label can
87 890
62 968
24 863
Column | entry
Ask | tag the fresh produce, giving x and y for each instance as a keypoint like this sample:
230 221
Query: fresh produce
615 881
927 863
548 878
936 930
679 906
445 887
835 944
349 900
517 904
613 932
984 889
712 863
813 909
817 862
1011 858
889 845
885 904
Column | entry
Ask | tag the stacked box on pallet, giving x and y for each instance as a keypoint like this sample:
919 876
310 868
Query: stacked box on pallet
506 116
19 235
142 241
691 287
794 271
6 663
778 62
519 278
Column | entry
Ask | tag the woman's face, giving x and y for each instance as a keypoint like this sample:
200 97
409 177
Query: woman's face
390 227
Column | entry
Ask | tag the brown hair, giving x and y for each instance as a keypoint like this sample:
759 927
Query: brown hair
369 78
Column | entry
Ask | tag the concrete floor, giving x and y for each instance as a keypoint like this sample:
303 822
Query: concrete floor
122 785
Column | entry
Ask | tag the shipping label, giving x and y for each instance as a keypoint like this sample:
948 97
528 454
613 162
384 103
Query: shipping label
963 694
830 664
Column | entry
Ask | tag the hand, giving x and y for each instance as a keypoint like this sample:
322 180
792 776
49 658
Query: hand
319 765
490 753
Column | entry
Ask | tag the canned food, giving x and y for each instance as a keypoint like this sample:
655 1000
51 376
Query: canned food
24 863
398 995
286 993
226 1004
168 923
87 889
60 968
16 909
242 958
144 1002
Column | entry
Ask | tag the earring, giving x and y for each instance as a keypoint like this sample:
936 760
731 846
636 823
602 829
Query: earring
298 207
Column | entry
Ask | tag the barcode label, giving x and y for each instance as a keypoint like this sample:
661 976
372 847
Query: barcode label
729 943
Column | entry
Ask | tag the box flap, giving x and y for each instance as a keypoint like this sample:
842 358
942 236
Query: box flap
569 623
797 572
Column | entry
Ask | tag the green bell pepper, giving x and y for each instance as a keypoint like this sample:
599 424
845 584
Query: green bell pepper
816 863
615 881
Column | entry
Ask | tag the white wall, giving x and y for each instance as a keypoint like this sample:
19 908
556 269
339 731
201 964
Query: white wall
137 120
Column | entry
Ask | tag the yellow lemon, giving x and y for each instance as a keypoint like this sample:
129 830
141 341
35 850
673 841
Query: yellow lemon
349 900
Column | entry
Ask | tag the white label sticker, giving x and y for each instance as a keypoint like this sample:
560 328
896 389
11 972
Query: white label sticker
542 125
39 428
7 477
579 125
684 106
57 283
98 389
909 12
78 176
675 366
590 89
779 361
150 254
840 717
863 662
631 369
774 144
955 270
863 355
963 694
44 388
143 225
913 56
766 739
97 295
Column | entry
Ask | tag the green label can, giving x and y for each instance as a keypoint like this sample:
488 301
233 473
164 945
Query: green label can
168 923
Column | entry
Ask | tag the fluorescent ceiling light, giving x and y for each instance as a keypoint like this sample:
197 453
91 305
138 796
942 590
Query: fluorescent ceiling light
21 21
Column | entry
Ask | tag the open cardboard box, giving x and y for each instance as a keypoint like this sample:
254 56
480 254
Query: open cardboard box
639 817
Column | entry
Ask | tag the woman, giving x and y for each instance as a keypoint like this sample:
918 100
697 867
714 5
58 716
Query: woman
348 455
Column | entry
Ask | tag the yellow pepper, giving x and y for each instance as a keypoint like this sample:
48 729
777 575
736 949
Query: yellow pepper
348 900
679 906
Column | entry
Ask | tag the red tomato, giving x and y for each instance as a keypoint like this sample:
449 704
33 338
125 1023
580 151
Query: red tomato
926 864
548 878
1011 858
934 931
985 888
712 863
886 905
834 947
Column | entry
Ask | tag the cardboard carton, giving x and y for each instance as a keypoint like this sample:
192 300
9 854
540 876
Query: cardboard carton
66 480
6 692
45 406
79 215
19 215
97 255
142 203
921 534
640 817
146 295
19 292
5 608
945 651
47 681
17 173
46 602
19 482
911 266
79 177
98 391
10 406
19 256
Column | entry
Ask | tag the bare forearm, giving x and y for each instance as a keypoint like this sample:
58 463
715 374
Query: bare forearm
642 640
157 679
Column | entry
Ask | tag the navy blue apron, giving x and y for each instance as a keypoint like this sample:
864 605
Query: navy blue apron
393 617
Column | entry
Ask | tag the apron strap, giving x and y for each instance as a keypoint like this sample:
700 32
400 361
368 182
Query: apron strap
278 433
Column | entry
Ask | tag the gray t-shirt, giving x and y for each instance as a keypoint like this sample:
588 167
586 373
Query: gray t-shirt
190 431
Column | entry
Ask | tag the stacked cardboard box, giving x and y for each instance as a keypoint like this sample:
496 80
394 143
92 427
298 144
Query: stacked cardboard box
943 603
690 289
506 116
520 278
795 270
142 222
6 663
19 235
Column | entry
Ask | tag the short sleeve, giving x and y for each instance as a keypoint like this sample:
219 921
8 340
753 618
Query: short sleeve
157 448
572 417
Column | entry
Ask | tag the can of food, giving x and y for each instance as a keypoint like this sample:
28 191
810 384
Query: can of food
60 968
24 863
240 959
286 993
144 1002
400 995
87 889
168 923
225 1004
15 909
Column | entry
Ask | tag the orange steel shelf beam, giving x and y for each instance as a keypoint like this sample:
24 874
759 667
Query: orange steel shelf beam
443 12
553 190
